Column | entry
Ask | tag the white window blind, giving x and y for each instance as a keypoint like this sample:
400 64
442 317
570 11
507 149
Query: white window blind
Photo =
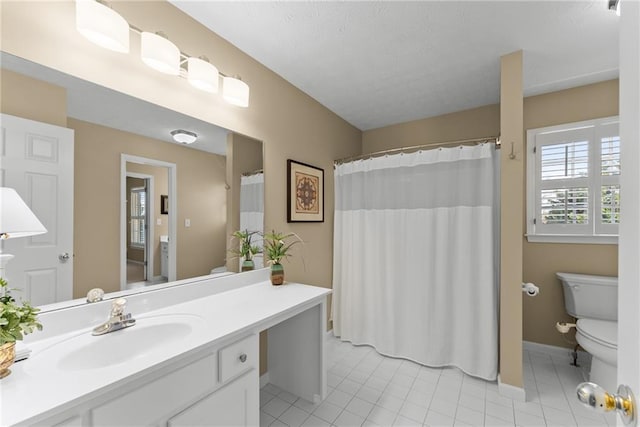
573 190
138 205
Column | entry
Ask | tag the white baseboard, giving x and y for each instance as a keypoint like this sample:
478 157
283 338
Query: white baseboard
264 379
511 391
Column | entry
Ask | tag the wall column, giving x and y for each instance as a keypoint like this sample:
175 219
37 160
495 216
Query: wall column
511 230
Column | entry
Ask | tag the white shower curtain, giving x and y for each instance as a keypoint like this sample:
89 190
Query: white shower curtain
415 256
252 209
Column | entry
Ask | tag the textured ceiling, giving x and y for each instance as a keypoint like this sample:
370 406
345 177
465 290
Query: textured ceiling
380 63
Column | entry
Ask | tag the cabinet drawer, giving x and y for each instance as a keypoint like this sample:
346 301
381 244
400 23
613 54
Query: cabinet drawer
159 398
238 357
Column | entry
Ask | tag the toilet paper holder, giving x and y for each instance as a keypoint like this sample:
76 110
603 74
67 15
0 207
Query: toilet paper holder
530 289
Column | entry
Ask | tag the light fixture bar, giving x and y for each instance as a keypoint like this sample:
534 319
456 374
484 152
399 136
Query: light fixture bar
156 51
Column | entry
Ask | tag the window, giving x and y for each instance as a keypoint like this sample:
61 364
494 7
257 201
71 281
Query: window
138 216
573 182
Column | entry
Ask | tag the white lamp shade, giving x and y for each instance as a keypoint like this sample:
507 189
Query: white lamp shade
160 53
235 91
202 75
16 219
102 25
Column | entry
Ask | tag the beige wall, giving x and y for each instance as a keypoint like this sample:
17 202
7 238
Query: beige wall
290 123
32 99
543 260
468 124
511 209
201 198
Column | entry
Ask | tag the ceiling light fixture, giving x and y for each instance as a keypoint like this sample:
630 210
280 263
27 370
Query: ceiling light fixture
235 91
184 136
157 51
102 25
202 74
105 27
615 5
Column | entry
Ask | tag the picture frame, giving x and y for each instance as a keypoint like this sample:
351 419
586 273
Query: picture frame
164 204
305 192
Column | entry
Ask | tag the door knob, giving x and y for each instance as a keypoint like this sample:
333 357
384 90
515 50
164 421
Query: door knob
64 257
595 397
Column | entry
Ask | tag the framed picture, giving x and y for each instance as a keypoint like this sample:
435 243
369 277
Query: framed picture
164 204
305 192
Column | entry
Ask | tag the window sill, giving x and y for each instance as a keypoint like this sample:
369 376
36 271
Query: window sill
607 239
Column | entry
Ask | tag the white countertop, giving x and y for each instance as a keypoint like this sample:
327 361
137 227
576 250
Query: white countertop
29 393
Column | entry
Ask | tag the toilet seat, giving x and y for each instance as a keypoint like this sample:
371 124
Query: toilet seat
603 332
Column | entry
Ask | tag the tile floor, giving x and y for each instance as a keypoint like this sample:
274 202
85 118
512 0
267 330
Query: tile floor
367 389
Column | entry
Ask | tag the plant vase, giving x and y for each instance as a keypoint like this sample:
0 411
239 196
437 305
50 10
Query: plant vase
7 355
277 274
248 265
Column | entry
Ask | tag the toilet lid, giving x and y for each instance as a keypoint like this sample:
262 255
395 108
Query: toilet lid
604 332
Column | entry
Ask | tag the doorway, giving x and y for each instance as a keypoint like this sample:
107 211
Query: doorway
147 222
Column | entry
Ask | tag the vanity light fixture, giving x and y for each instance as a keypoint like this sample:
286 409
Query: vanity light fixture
184 136
102 25
105 27
159 53
202 74
615 5
235 91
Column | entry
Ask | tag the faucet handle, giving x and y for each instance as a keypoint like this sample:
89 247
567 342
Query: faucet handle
117 307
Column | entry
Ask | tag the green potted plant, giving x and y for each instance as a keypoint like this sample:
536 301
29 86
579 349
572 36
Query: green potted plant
276 248
16 320
245 249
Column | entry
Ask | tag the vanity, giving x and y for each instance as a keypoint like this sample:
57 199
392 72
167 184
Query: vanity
192 358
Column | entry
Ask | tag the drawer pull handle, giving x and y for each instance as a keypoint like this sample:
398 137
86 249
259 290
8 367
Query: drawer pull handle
243 358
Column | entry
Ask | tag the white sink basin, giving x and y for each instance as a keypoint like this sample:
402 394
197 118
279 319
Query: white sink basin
86 352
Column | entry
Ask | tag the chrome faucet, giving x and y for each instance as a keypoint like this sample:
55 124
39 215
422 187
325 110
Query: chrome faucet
117 319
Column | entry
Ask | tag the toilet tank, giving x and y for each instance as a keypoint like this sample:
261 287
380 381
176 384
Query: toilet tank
594 297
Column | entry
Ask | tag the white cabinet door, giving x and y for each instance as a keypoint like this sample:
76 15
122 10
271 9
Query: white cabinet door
233 405
37 161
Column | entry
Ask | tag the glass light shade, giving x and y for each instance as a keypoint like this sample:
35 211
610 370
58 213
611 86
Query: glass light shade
160 53
16 219
235 91
102 25
184 136
202 75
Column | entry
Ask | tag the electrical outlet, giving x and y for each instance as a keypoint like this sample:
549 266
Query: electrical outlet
187 222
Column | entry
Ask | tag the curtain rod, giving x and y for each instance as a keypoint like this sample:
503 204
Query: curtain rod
490 139
255 172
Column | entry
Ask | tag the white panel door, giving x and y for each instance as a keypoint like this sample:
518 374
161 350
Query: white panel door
37 161
629 240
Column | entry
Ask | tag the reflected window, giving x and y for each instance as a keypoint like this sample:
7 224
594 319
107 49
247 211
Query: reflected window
138 202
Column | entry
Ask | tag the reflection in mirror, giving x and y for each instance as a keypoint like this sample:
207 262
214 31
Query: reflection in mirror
252 208
104 126
144 250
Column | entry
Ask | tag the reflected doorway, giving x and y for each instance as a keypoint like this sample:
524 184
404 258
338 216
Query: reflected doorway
148 229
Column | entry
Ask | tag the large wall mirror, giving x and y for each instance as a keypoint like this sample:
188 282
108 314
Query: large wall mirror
128 209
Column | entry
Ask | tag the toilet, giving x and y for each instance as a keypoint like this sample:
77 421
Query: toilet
593 300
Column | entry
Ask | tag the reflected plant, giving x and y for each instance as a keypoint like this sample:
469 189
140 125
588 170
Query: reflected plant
245 249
